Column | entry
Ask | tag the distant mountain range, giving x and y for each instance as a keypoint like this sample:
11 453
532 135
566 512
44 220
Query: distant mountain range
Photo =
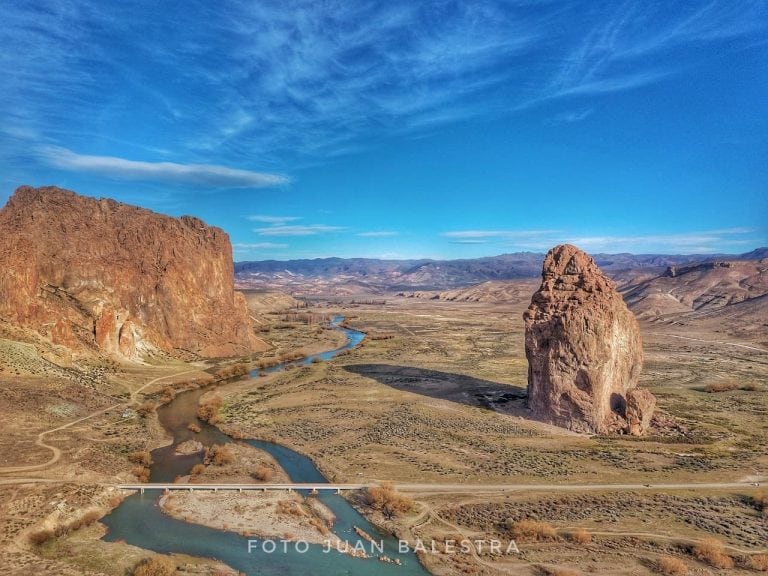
373 276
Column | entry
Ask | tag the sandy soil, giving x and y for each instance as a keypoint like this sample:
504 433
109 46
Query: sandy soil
263 514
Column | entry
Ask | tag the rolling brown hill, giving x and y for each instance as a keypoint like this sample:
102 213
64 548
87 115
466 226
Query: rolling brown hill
701 287
119 280
350 276
491 292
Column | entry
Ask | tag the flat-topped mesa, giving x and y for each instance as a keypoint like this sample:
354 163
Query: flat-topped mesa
584 350
118 279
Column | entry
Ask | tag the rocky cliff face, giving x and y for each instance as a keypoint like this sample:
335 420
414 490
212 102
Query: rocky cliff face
101 275
584 350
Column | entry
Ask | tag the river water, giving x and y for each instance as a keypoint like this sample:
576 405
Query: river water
138 520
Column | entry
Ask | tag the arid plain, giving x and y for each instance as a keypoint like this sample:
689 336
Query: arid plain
434 396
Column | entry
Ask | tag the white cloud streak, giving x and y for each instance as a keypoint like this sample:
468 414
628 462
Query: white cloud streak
694 242
316 80
686 242
198 174
571 117
498 234
378 234
307 230
276 220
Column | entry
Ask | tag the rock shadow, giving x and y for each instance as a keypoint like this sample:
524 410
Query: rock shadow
446 386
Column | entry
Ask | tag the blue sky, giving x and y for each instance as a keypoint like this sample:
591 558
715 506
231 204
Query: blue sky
401 129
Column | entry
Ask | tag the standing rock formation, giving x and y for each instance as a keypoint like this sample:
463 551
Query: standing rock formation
584 350
640 406
117 279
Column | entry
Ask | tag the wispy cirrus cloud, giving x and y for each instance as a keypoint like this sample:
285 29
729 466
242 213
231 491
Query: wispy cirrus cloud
629 43
316 80
297 230
378 234
693 242
469 241
495 234
274 220
571 116
201 174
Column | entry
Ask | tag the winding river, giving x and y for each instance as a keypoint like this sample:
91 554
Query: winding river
138 520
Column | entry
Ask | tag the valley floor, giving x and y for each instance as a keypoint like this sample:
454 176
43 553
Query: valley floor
436 394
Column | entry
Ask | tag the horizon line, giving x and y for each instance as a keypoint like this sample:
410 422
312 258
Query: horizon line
436 259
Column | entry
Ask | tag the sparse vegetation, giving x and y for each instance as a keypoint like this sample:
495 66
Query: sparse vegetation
194 427
580 536
40 537
240 369
208 411
142 473
380 336
87 519
460 438
167 395
289 508
758 562
147 408
219 455
43 535
156 566
263 474
671 566
715 387
560 571
290 356
532 531
141 457
761 499
385 499
712 552
304 318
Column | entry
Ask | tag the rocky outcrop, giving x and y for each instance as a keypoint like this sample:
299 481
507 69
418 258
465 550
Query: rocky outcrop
639 410
189 447
118 279
584 350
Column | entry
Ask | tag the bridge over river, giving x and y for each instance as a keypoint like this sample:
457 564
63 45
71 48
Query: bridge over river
433 488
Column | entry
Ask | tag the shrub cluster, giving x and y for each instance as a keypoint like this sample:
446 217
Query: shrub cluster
532 531
147 408
40 537
671 566
263 474
208 411
385 499
219 455
141 457
156 566
712 552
